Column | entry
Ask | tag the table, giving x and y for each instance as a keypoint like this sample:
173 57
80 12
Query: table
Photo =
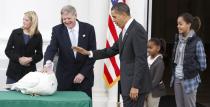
59 99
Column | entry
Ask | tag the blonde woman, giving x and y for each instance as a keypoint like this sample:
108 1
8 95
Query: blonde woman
24 48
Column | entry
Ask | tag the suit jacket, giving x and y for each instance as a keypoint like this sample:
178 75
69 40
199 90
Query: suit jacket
16 48
156 71
133 59
68 66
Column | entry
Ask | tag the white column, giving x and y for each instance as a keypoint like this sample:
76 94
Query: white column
150 19
138 10
98 16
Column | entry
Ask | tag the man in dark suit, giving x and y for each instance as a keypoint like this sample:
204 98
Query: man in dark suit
132 48
74 71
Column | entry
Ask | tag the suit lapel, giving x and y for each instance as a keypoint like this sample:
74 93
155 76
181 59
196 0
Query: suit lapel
127 33
81 36
120 42
81 33
66 38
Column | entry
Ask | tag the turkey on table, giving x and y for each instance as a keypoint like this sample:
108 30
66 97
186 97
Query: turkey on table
38 83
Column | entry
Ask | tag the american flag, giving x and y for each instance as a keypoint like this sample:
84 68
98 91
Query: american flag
111 66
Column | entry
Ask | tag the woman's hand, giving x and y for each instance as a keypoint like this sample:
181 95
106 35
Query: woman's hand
25 61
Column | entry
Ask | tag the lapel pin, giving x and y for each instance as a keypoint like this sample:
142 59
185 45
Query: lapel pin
83 35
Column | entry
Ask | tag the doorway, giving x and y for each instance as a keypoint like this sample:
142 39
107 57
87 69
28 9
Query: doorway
164 16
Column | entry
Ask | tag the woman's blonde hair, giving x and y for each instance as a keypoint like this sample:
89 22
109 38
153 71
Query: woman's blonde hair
34 22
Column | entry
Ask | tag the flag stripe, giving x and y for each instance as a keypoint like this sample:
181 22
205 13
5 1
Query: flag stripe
108 76
110 68
112 29
109 38
114 63
116 68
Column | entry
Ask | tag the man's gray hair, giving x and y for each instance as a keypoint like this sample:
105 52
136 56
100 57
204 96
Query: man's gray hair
69 9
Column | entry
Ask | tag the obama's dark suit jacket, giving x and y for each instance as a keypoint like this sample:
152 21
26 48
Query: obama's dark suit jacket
133 59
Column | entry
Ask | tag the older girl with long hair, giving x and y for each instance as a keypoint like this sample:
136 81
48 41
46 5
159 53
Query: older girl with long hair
189 60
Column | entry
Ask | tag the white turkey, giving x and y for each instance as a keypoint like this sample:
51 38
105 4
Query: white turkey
42 82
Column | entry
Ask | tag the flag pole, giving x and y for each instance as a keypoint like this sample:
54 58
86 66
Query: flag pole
119 84
118 93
